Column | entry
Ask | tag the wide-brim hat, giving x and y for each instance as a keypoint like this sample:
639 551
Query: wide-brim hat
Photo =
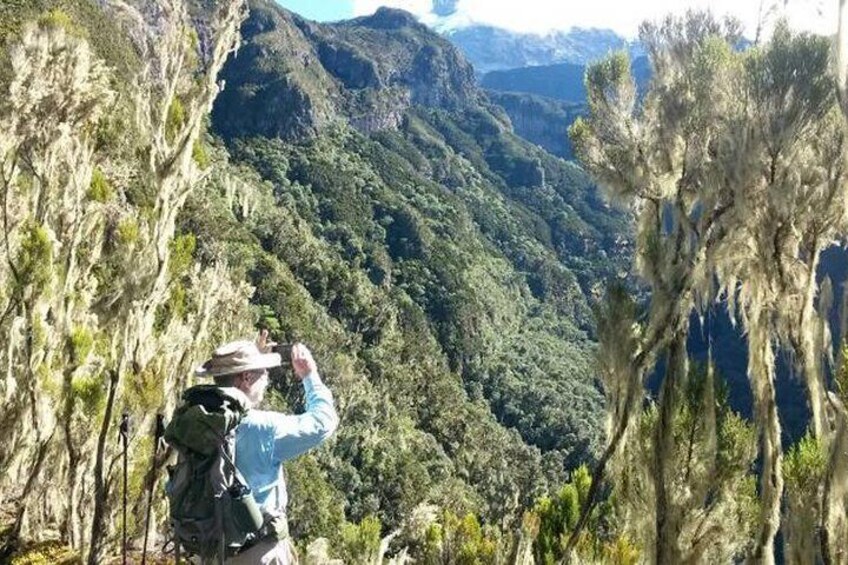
237 357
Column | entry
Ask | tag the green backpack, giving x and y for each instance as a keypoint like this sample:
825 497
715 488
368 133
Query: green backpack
213 511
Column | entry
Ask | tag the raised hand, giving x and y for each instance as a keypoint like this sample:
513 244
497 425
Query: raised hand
302 361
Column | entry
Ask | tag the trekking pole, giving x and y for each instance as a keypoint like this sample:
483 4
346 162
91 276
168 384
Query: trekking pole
124 431
158 432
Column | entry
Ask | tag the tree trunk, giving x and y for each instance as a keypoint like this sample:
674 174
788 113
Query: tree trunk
761 372
101 494
834 515
810 346
667 516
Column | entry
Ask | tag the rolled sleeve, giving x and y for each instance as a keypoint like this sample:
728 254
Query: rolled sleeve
295 435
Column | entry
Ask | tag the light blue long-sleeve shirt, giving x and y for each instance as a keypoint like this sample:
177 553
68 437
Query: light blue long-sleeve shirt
265 439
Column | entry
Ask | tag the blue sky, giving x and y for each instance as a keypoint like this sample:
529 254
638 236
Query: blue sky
321 10
622 16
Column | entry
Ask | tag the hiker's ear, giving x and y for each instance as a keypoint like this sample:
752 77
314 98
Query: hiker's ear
239 379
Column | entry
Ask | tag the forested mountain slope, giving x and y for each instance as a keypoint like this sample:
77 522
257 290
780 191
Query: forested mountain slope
477 249
442 269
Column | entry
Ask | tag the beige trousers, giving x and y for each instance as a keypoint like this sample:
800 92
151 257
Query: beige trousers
269 552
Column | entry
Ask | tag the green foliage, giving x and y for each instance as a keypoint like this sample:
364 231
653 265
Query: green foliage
128 232
267 319
200 155
607 78
316 508
553 518
804 465
182 254
182 249
580 133
100 189
791 75
49 381
47 553
804 468
581 480
459 540
32 265
177 304
193 40
80 344
58 18
39 333
360 542
621 551
145 390
711 469
90 390
176 119
378 214
12 14
735 438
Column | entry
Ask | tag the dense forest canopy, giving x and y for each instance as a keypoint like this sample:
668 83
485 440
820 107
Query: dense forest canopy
469 296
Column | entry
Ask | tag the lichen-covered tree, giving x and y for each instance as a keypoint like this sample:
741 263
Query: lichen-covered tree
834 505
653 156
734 165
798 189
102 303
711 474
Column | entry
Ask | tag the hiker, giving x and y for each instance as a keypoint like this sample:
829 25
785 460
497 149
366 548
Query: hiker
265 439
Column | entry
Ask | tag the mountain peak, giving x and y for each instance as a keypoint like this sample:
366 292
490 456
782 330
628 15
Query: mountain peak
491 48
388 19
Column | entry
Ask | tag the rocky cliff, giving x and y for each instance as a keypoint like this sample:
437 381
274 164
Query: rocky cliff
293 78
540 120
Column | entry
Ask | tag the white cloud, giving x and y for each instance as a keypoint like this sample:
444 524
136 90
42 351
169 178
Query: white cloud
623 16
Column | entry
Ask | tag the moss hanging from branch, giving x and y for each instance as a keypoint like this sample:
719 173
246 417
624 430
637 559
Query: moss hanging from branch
734 166
84 269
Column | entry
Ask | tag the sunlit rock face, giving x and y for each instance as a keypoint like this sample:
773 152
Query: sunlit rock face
293 78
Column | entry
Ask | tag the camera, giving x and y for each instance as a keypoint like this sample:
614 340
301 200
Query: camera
284 349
